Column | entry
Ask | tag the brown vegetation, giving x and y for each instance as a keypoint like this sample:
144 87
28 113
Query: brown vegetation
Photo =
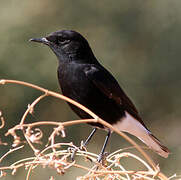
57 155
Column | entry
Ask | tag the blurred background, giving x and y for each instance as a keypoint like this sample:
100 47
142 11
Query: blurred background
138 41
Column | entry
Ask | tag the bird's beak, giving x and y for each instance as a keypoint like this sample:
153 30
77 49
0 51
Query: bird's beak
40 40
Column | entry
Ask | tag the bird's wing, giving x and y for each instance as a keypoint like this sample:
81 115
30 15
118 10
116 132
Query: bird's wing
132 122
107 84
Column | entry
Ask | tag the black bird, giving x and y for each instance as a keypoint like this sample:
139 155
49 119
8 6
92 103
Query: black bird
83 79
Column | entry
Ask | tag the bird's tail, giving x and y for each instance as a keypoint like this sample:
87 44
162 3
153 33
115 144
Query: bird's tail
156 145
131 125
153 143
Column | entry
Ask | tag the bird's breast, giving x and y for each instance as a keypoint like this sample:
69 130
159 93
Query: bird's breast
74 82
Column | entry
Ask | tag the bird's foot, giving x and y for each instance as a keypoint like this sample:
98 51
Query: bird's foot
83 146
74 150
102 158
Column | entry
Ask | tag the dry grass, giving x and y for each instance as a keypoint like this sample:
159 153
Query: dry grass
59 157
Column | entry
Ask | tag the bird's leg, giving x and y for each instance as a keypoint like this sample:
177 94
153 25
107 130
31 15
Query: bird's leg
89 137
84 143
101 155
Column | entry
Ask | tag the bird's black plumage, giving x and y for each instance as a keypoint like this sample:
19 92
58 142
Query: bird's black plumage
83 79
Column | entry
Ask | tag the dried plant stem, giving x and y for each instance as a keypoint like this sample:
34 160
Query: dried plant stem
10 151
31 107
95 119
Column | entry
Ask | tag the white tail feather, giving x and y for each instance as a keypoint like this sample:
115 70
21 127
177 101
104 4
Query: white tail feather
131 125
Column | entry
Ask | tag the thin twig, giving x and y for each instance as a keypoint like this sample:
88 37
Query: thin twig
10 151
94 173
51 93
30 107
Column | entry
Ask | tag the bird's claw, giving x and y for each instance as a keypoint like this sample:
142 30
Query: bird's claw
74 150
83 146
102 158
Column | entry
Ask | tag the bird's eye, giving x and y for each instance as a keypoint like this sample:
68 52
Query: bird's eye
63 41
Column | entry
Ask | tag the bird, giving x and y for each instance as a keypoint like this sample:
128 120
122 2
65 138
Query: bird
83 79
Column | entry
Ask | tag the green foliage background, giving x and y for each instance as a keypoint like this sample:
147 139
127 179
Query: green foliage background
138 41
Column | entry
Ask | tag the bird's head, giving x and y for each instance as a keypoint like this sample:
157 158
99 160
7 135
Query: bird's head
67 45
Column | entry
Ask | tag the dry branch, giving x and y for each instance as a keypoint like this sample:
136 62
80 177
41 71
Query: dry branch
60 159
